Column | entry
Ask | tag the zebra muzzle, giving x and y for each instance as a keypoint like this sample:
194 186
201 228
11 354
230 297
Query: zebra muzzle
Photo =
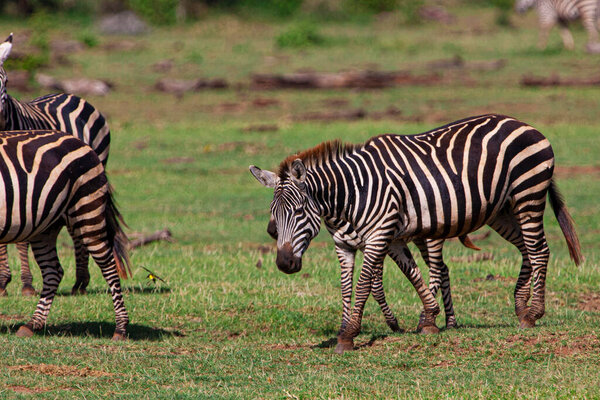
286 260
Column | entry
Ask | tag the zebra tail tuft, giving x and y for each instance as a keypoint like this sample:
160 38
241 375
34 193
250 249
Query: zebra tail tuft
120 242
565 221
467 242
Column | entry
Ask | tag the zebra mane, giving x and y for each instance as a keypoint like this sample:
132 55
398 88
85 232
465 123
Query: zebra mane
317 155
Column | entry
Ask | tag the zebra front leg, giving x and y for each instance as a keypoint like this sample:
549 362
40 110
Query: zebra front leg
379 295
346 258
405 261
82 272
44 251
439 275
374 255
26 277
593 45
5 276
566 37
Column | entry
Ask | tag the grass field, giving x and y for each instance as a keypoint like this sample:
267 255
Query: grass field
228 324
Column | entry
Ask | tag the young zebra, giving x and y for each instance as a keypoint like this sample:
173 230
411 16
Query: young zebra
447 182
49 179
63 112
551 12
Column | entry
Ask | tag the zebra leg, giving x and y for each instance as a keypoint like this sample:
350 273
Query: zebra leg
439 276
26 277
589 22
566 36
44 251
507 227
379 295
82 272
346 259
374 255
5 276
402 257
532 230
544 33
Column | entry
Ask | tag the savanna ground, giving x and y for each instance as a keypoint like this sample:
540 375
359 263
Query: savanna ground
227 323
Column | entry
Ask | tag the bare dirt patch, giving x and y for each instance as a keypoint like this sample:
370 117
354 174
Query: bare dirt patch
578 171
26 390
60 370
589 302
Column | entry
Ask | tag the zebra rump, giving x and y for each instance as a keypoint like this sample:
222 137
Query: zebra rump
49 179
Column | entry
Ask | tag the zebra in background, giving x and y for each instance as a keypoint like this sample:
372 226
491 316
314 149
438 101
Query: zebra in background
551 12
49 179
485 170
64 112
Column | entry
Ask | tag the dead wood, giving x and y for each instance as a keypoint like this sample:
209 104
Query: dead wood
555 80
80 86
143 240
180 86
341 80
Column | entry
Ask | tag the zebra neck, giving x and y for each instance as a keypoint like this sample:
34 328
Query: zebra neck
328 191
19 115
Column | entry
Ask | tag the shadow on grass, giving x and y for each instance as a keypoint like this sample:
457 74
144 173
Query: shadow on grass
98 330
126 290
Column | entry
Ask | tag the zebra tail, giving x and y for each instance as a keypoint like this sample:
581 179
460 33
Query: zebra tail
120 242
467 242
565 222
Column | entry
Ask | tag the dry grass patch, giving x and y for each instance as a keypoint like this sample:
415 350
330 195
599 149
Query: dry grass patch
60 370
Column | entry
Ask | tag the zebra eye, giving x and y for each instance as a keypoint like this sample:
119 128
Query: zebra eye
298 211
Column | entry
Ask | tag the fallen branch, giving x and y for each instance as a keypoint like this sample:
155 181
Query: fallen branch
341 80
555 80
164 234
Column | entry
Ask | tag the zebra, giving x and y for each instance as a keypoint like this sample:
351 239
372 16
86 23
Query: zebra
551 12
64 112
49 179
484 170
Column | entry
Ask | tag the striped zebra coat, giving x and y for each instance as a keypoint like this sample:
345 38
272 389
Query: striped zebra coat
394 189
49 179
561 12
64 112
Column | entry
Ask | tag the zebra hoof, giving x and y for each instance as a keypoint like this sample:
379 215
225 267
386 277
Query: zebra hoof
78 291
119 337
28 290
344 345
429 330
526 323
451 323
25 331
395 327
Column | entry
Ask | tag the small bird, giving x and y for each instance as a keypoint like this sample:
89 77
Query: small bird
153 277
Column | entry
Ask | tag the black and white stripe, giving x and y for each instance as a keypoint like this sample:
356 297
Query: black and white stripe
486 170
561 12
64 112
49 179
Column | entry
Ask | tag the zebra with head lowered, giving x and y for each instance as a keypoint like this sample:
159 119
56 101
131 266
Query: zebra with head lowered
552 12
49 179
64 112
393 189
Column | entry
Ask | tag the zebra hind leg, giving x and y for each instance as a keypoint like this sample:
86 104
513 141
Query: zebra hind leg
26 277
379 295
44 251
82 273
5 276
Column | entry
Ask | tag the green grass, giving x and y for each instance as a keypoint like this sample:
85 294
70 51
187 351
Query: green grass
224 328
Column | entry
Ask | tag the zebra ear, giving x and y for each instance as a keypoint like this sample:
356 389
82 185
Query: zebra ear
266 178
298 171
5 48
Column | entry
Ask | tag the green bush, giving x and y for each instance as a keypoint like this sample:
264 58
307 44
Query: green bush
302 34
158 12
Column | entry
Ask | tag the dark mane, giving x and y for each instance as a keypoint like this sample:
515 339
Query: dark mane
317 155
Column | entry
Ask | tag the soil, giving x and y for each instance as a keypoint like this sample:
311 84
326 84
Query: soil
60 370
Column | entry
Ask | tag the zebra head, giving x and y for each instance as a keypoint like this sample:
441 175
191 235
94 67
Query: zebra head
5 48
295 219
523 5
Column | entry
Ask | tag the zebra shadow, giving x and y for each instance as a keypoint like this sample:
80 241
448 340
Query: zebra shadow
101 330
126 290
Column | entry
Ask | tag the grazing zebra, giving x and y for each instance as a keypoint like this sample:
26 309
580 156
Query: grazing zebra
551 12
49 179
448 182
63 112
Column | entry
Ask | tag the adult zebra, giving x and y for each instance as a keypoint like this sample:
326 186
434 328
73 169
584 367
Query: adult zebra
64 112
489 169
49 179
552 12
